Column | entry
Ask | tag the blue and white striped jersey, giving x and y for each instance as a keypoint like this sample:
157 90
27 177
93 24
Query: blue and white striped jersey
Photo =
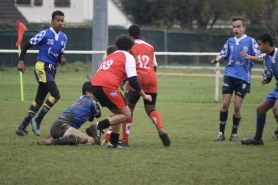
271 65
238 67
50 44
80 112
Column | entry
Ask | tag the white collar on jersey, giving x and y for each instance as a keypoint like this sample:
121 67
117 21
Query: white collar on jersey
240 38
56 34
274 55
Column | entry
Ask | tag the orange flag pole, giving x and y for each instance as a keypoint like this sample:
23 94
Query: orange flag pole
21 28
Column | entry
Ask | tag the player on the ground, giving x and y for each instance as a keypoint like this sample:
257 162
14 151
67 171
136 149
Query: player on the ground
112 71
265 43
146 65
51 43
64 131
240 51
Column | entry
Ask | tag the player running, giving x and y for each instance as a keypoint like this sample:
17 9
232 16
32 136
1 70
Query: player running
52 43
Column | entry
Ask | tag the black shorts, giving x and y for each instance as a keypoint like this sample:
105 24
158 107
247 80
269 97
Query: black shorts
58 129
133 97
231 84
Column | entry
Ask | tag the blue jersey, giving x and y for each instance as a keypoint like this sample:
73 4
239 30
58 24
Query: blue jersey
51 44
238 67
270 71
82 110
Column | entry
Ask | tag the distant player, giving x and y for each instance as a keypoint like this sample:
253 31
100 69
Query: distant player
265 43
146 64
112 71
64 131
51 43
240 51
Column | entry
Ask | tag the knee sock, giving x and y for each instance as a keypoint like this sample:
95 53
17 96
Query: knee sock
32 111
126 130
103 124
223 119
156 119
67 140
46 107
260 127
235 124
114 139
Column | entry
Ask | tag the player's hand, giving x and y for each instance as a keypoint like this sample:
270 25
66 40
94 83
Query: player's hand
21 66
214 61
244 55
264 81
63 59
148 97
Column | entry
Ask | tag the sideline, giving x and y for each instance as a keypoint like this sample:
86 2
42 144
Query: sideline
197 75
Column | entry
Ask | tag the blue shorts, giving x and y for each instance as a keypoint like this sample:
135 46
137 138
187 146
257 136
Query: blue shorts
44 72
272 96
231 84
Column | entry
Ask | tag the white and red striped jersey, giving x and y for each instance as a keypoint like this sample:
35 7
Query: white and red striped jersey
114 69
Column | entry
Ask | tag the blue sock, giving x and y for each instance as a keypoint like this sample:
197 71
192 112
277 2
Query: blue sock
32 111
260 127
46 107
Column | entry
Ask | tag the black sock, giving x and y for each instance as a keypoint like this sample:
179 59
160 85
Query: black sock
235 124
223 119
103 124
114 138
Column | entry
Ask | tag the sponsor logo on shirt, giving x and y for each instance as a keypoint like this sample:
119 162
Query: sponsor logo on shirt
239 63
113 94
245 49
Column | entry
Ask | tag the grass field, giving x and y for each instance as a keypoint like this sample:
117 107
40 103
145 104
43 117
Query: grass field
190 116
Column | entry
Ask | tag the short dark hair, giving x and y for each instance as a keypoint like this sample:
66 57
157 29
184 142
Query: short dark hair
87 86
239 19
57 12
266 37
124 42
110 49
134 31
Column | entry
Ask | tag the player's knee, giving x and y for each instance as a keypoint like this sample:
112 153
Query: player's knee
225 105
275 110
39 102
149 111
57 96
82 140
237 107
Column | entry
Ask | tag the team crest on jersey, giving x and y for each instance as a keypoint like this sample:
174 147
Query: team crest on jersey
113 94
243 86
62 43
245 49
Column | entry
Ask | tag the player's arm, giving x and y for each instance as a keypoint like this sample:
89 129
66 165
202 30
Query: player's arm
61 59
25 47
154 63
224 54
256 58
134 83
216 60
267 74
95 111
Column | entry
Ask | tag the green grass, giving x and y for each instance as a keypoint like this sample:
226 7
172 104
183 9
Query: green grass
190 117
